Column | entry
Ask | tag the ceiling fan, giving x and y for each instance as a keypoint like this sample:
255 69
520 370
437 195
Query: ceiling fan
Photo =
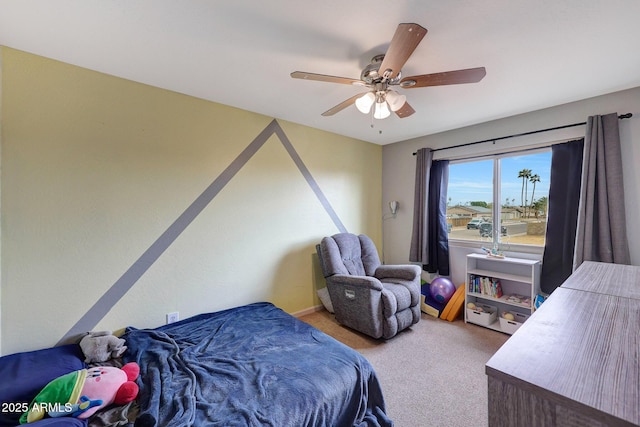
384 72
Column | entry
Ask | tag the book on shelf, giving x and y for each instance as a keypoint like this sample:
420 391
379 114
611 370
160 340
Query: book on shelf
485 285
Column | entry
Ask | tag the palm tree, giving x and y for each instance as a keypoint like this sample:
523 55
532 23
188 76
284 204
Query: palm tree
541 205
525 174
533 179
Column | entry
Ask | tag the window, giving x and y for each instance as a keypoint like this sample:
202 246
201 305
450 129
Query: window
510 189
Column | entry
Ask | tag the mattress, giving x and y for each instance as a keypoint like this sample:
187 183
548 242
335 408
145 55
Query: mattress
253 365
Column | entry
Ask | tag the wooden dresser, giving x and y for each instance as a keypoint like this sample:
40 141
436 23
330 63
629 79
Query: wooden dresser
576 361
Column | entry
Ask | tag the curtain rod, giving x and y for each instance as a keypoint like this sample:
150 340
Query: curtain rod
622 116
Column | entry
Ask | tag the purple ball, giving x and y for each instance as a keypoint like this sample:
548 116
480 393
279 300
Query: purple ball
442 289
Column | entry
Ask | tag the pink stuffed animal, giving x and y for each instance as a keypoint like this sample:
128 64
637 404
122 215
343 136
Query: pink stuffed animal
111 385
82 393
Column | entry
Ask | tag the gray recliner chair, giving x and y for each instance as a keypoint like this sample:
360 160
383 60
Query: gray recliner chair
377 300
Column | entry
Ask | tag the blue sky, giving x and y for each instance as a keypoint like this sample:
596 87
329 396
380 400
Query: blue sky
473 181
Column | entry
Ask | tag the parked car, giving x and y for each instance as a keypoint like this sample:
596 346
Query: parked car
449 227
474 223
486 228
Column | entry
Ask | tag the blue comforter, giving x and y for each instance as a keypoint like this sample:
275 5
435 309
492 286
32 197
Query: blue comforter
253 365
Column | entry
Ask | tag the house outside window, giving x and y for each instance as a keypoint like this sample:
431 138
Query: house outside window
509 189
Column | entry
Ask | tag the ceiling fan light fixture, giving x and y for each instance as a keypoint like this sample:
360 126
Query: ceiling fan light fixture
381 110
395 100
364 103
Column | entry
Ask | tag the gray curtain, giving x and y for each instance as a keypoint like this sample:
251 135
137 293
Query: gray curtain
429 239
420 234
601 233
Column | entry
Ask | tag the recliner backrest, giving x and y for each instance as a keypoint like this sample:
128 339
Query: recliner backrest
346 253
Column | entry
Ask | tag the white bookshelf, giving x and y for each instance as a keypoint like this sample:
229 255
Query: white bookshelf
516 276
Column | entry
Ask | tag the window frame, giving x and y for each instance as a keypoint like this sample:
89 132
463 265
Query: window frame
497 187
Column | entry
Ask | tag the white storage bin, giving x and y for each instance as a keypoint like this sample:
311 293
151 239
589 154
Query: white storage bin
486 316
510 326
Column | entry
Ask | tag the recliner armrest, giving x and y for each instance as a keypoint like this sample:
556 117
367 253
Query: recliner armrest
356 281
404 272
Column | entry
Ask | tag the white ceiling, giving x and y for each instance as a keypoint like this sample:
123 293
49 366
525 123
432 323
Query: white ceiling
537 53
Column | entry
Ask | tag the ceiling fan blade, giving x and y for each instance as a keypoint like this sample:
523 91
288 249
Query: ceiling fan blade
470 75
405 40
405 111
325 78
344 104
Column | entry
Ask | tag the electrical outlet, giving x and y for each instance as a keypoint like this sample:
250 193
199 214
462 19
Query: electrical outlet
173 317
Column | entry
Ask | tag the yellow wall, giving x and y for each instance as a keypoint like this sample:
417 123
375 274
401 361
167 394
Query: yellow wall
95 169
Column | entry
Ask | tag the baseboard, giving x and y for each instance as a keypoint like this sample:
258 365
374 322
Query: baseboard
308 311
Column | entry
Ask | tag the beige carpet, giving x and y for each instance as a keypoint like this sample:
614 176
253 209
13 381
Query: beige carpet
431 374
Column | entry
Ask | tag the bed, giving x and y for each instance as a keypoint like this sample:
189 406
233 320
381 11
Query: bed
253 365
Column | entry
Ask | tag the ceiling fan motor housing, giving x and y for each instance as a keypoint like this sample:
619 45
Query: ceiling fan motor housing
371 73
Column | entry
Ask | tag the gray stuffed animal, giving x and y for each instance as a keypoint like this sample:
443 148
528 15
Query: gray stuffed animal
101 346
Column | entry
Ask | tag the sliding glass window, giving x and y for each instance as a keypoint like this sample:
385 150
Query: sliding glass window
511 190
